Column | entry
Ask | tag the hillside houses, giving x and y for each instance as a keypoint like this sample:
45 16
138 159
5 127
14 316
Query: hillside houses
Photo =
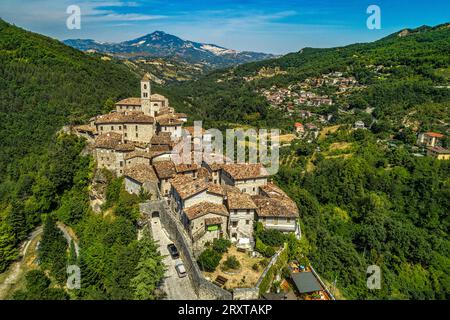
212 199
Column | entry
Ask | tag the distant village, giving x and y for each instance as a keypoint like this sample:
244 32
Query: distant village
301 99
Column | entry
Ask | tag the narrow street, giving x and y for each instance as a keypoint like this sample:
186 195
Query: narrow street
176 288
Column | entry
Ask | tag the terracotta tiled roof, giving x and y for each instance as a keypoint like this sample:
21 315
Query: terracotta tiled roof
162 148
130 102
240 201
434 134
157 97
162 138
439 149
186 167
124 117
272 191
275 207
203 173
165 110
190 130
108 141
142 154
165 169
203 208
85 128
146 77
221 190
169 121
187 187
213 221
245 171
141 173
180 115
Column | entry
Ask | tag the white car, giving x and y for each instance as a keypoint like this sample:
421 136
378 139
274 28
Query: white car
181 270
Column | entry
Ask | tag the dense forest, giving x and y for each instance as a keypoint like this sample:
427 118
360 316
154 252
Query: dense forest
45 85
380 205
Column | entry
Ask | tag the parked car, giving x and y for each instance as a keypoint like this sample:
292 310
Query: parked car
181 270
173 251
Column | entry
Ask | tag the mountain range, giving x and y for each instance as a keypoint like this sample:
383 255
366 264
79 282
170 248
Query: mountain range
163 45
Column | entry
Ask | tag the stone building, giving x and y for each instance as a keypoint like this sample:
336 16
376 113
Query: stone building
247 177
141 178
110 152
242 216
206 221
165 170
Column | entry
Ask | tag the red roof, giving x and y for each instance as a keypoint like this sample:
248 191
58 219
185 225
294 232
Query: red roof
298 124
434 134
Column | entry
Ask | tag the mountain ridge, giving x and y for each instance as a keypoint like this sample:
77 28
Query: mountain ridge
160 44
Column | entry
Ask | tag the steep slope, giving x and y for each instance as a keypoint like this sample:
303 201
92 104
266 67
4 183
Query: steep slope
161 44
44 85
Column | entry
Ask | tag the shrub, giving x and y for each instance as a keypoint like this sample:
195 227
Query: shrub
260 246
255 267
231 263
221 245
209 260
269 252
264 262
273 238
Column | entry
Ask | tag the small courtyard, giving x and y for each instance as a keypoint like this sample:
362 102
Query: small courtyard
245 275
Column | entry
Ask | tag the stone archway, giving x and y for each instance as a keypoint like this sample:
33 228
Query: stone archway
155 214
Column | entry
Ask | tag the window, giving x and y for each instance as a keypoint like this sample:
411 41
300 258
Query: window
145 86
101 128
253 189
120 127
288 220
121 164
137 135
235 212
125 126
234 235
137 128
247 222
112 128
125 134
234 224
248 211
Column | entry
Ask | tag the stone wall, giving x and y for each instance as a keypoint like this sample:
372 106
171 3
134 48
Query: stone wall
204 289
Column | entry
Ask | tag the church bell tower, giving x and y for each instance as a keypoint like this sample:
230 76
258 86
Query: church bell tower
145 96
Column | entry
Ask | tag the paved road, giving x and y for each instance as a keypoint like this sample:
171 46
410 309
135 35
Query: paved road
176 288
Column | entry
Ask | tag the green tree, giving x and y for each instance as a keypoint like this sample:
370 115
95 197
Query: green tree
150 270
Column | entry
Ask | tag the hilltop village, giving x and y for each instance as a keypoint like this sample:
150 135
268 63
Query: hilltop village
212 200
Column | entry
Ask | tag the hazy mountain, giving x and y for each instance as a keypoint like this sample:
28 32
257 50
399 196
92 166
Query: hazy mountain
161 44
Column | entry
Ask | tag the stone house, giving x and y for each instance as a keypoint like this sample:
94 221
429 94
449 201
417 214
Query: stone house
141 177
205 221
429 139
247 177
110 152
242 211
165 170
438 152
133 125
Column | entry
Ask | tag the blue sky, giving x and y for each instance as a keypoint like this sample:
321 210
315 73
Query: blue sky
277 26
